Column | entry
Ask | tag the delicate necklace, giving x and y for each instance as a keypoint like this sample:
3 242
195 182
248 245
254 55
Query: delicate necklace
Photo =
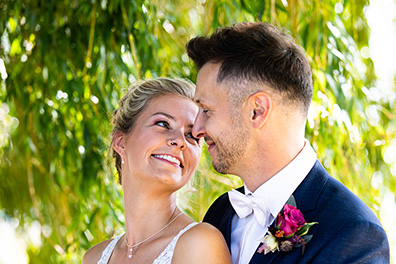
131 247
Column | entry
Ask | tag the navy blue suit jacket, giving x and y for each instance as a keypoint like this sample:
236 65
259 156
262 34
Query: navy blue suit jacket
347 230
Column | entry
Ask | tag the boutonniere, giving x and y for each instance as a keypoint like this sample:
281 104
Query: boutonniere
289 230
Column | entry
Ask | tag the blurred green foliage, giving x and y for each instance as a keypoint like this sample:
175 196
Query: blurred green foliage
66 64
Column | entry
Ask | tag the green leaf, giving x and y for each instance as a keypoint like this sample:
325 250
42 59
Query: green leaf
304 229
292 201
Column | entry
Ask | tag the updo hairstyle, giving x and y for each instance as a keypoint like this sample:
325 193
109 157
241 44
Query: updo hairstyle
139 95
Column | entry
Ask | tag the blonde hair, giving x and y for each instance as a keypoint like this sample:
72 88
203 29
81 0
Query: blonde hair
139 95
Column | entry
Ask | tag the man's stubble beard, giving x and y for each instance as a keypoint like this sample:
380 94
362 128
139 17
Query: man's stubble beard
231 145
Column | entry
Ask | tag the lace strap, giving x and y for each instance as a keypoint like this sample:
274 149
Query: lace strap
106 254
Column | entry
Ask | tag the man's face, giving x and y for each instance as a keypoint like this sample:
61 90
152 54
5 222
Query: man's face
222 126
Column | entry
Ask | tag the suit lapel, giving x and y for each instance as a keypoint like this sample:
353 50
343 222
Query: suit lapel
226 229
306 195
308 192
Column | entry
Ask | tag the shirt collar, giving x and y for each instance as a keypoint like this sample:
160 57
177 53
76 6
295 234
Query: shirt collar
277 190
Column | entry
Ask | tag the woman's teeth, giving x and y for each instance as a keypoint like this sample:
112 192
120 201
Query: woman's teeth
168 158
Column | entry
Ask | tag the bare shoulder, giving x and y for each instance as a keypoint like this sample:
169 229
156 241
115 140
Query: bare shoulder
203 231
94 253
203 243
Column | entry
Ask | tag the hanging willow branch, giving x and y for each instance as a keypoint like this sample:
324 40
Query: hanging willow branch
90 44
131 42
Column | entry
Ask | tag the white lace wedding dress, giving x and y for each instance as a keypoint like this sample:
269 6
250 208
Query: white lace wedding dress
164 258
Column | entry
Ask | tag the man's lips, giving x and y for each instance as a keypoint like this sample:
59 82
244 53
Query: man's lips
210 142
169 158
210 146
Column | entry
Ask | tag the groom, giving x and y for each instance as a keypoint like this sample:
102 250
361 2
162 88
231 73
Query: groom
254 88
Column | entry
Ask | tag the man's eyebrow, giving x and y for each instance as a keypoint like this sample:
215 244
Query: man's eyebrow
164 114
200 103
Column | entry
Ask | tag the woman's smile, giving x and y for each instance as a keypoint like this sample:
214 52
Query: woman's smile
169 159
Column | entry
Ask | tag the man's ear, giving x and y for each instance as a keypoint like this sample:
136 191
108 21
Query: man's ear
118 143
260 106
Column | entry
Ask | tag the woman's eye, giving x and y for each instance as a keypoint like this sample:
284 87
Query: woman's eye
190 135
163 124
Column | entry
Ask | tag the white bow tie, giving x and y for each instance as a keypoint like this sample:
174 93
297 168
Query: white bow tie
245 205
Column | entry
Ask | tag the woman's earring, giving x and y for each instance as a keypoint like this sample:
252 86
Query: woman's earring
122 160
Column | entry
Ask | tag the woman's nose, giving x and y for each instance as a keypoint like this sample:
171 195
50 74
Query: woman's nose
177 141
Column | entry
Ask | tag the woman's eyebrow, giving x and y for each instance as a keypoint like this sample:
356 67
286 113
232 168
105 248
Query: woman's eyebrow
171 117
164 114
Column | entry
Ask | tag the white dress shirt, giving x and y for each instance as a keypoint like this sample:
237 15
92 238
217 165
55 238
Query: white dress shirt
246 232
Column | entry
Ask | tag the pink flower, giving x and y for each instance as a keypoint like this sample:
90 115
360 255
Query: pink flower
288 231
290 220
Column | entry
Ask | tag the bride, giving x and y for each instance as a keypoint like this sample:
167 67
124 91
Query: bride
155 155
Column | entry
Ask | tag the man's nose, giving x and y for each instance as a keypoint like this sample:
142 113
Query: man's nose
198 129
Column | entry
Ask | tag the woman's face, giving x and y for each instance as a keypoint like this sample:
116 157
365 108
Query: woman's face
161 146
